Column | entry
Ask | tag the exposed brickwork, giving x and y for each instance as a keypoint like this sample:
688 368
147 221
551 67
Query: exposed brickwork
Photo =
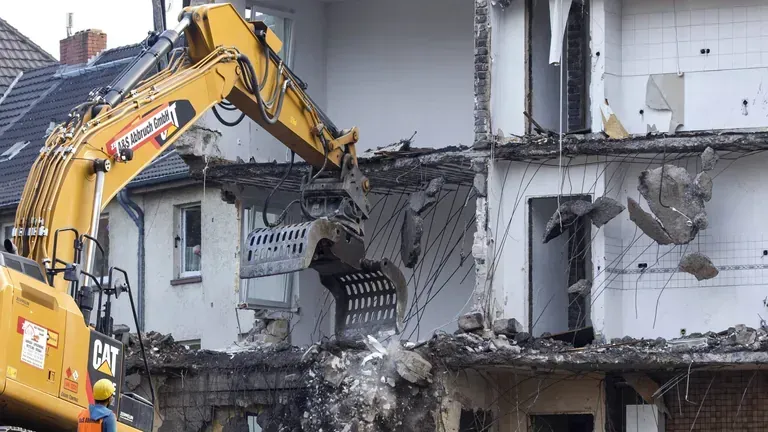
721 405
482 73
576 40
82 46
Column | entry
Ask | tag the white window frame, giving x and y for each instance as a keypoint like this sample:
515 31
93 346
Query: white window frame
249 216
288 24
182 224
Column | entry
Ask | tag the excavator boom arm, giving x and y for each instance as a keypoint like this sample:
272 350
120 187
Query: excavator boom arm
119 131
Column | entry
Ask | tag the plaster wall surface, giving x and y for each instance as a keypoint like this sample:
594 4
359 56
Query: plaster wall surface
508 68
510 186
399 66
411 71
203 310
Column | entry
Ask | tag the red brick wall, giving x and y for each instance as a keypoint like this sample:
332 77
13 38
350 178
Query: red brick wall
720 407
82 46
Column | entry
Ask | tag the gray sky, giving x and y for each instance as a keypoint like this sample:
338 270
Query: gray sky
44 21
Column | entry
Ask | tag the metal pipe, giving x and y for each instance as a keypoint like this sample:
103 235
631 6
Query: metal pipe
90 248
137 215
145 62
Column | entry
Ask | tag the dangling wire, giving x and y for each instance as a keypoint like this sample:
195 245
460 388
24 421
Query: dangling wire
266 201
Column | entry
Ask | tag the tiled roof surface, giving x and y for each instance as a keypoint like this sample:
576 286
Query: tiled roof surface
17 54
119 53
42 96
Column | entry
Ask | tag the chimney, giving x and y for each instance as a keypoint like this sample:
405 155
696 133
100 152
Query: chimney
82 46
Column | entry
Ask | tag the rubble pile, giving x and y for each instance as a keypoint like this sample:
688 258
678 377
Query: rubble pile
375 389
507 344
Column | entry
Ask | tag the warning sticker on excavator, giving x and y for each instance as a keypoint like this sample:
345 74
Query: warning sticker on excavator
33 341
53 337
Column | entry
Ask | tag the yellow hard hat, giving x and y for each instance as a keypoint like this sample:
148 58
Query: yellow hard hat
103 389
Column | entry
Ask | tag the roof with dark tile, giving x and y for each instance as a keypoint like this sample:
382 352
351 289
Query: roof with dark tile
47 95
18 53
119 53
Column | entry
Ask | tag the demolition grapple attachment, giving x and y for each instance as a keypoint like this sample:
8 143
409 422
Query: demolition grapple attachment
370 295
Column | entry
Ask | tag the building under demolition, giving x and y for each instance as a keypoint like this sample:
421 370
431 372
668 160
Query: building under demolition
578 217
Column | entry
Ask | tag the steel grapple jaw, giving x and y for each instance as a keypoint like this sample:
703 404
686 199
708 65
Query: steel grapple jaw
370 295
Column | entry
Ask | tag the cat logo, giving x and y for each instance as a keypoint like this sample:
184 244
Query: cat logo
104 357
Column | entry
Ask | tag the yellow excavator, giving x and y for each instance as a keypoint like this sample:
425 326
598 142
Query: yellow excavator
51 350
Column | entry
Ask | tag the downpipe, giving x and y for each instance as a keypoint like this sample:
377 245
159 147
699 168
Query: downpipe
137 215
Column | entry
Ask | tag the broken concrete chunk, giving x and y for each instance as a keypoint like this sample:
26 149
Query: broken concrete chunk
671 196
471 321
411 366
410 238
687 344
435 186
698 265
507 326
480 185
564 217
503 344
334 370
132 381
742 335
522 337
709 159
421 201
703 185
603 210
582 287
647 223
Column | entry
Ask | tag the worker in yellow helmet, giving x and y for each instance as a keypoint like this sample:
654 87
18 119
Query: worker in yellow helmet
98 417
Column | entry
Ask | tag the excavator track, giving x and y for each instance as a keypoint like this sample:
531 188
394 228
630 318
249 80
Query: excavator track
370 295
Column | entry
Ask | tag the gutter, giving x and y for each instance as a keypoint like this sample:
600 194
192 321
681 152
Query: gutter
137 215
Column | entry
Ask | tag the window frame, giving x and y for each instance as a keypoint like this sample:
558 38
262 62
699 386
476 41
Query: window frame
248 217
288 25
181 244
4 226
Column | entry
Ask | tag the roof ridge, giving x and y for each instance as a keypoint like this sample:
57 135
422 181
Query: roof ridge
29 41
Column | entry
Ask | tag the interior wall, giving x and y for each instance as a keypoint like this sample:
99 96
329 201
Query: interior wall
550 271
399 66
660 37
660 300
508 49
514 397
546 77
510 185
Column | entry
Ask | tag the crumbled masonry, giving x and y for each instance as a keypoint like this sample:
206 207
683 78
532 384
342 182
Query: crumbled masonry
698 265
413 222
380 386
